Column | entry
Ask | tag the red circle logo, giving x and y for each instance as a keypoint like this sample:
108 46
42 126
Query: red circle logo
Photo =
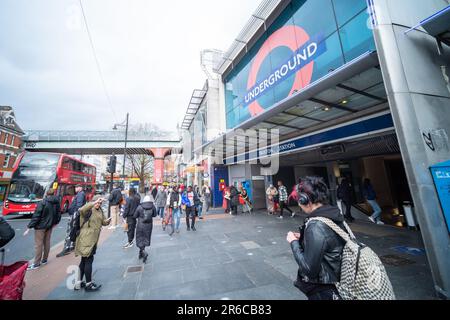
292 37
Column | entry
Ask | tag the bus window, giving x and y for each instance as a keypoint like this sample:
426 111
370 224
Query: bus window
67 164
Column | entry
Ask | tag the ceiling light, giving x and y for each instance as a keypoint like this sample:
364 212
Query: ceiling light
344 102
326 109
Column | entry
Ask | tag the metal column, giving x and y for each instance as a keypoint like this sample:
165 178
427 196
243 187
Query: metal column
419 102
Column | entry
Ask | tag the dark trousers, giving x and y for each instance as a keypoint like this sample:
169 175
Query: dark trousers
131 228
234 208
329 294
190 212
348 209
283 205
86 268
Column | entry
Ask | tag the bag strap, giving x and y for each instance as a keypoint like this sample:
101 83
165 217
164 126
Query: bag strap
88 216
346 236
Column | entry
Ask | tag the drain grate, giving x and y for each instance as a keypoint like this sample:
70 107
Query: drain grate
395 260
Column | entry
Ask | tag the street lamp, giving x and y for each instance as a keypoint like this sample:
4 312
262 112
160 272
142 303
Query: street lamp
126 138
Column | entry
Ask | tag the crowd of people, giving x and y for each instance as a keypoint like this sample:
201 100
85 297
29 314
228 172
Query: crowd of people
316 247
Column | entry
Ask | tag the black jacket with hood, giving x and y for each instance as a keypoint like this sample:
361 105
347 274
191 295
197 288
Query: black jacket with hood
47 214
131 205
144 230
319 250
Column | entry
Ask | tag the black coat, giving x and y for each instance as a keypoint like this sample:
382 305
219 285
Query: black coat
234 194
115 197
319 251
174 199
78 201
144 230
47 214
6 232
131 206
344 192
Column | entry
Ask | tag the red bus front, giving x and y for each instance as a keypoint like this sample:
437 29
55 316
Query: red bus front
36 172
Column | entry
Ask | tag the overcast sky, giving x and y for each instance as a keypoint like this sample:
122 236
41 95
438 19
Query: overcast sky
149 52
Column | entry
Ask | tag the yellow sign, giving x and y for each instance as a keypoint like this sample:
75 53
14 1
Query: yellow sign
55 185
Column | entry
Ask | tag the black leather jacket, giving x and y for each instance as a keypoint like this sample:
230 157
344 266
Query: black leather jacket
319 250
47 214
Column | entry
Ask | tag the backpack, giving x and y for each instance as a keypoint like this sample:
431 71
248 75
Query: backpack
76 228
149 214
363 276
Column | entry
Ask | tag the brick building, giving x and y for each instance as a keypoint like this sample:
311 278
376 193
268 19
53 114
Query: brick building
10 146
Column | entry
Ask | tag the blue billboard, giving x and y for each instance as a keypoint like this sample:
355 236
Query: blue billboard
441 178
309 39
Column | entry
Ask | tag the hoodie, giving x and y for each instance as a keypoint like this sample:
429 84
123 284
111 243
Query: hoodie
47 214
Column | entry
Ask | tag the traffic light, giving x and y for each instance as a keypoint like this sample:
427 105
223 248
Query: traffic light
112 164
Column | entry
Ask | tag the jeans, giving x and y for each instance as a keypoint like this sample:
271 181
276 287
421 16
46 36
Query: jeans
376 210
190 212
199 210
176 217
161 212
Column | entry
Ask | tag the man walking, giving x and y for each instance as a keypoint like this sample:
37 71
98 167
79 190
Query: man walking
190 200
45 217
234 199
344 193
282 191
77 202
132 204
371 197
114 201
206 191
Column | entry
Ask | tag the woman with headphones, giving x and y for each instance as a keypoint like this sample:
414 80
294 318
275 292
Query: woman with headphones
317 248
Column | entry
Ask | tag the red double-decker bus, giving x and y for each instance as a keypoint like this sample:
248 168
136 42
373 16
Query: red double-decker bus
36 172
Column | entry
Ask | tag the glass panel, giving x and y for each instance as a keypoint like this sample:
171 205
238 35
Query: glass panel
356 37
347 9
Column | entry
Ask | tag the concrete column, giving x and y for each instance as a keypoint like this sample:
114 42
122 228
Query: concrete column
419 100
158 163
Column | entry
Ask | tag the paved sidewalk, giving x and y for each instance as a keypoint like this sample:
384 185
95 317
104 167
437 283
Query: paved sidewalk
243 257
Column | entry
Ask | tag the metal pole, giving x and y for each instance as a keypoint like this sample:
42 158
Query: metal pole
125 149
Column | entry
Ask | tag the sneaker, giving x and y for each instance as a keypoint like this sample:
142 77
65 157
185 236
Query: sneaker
44 262
178 230
201 218
193 229
92 286
188 229
293 214
79 285
380 222
128 245
63 253
372 219
280 217
33 266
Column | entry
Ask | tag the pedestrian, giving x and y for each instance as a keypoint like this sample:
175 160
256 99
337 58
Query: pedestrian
294 195
371 197
317 249
45 217
91 221
271 192
154 192
199 205
144 215
206 192
226 200
115 199
284 204
133 201
344 193
160 201
7 233
234 199
246 203
77 202
189 199
175 207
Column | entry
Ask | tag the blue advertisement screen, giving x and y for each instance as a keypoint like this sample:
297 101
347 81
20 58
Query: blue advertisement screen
309 39
441 177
